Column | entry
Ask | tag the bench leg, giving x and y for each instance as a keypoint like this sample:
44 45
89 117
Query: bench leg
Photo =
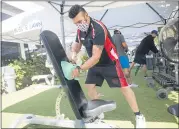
47 81
53 81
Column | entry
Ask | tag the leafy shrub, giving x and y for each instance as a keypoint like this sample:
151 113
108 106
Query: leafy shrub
26 69
3 86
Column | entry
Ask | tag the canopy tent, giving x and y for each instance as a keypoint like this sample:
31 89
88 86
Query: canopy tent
132 18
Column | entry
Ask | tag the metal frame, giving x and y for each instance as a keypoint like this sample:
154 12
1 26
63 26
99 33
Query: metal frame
62 5
174 11
61 20
104 15
163 19
32 119
139 23
110 28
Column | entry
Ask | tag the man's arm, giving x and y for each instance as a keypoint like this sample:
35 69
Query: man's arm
153 48
96 55
98 45
75 49
124 44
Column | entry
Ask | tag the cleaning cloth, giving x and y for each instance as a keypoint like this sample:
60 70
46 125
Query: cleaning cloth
68 69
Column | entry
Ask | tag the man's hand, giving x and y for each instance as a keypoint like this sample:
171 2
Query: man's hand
75 50
73 58
126 50
75 73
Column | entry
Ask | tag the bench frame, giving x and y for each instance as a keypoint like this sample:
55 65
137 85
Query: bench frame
32 119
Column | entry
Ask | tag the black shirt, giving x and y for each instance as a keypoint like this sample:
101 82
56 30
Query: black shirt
146 45
95 36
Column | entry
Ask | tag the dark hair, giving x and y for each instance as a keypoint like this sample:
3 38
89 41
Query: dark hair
117 32
74 10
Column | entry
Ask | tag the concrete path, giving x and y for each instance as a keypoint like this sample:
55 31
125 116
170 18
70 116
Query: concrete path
9 118
15 97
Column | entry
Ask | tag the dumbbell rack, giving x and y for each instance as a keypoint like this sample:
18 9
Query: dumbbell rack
164 79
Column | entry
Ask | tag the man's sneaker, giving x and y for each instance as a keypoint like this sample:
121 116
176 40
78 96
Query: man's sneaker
133 85
140 121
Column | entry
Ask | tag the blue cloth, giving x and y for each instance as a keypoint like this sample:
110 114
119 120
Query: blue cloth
124 61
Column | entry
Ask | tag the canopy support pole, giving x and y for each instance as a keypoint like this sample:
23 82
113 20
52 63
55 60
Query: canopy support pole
62 24
163 19
61 21
104 15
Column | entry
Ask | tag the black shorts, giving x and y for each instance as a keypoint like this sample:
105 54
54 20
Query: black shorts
97 75
140 59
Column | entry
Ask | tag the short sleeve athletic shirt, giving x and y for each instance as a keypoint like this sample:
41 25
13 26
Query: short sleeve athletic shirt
96 36
118 40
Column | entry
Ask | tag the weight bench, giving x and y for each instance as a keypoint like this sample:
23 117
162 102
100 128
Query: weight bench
86 111
44 77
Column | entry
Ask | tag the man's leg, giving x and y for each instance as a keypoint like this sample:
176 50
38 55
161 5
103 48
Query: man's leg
91 81
131 67
125 66
145 70
127 75
92 91
124 61
136 60
131 99
143 62
113 80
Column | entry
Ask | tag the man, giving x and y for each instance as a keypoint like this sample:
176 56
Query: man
103 61
145 46
122 48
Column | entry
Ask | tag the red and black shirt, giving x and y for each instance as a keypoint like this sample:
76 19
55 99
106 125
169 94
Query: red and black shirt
95 36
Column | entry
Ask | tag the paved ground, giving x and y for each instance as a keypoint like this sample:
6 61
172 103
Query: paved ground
28 92
9 118
15 97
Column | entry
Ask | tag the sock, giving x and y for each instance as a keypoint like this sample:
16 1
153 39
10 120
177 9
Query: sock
137 113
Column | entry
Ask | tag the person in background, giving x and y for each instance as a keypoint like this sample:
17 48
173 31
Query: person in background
145 46
122 49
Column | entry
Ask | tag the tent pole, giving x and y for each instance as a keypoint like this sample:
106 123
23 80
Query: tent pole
62 24
104 15
163 19
61 21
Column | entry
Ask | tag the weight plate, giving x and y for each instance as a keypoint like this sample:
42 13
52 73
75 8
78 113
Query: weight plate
162 94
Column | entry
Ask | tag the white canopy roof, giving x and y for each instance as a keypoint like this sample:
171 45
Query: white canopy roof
119 15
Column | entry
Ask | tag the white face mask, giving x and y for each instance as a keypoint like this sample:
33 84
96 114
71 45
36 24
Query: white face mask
83 26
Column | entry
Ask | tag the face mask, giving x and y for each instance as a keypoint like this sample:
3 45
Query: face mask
83 26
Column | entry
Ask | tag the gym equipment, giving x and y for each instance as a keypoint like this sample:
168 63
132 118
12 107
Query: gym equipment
162 93
173 111
167 64
86 111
